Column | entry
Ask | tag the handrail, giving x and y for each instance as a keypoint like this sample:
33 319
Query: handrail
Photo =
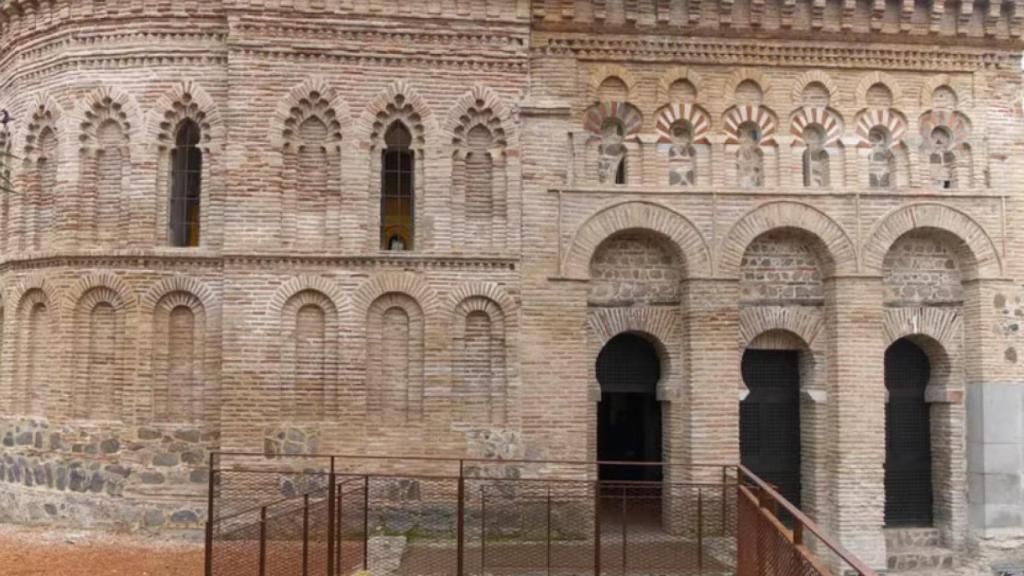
807 524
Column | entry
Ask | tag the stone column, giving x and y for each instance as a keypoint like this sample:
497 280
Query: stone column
856 415
995 419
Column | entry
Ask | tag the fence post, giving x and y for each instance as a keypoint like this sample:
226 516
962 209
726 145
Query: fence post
330 520
208 557
460 523
597 528
366 522
263 541
305 534
700 531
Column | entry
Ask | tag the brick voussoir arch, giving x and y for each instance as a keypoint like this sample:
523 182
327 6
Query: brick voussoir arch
488 290
102 280
394 283
305 283
167 113
984 260
32 284
657 322
811 76
637 215
806 323
943 325
840 251
184 284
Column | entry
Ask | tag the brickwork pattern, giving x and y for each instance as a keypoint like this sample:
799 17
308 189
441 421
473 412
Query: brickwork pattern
288 330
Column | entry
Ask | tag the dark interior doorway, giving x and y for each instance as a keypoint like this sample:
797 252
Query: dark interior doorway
770 419
908 447
629 415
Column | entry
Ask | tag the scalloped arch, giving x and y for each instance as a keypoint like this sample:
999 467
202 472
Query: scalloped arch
923 215
107 280
806 323
133 116
363 128
170 109
741 75
405 283
738 115
305 283
601 72
675 74
637 215
809 77
185 284
876 77
300 92
490 99
788 214
827 118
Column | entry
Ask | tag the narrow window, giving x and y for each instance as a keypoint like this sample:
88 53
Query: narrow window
186 185
397 197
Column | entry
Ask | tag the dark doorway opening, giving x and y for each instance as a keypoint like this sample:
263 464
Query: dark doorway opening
908 444
629 415
770 419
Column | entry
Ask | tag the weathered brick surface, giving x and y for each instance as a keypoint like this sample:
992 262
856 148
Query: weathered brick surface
753 135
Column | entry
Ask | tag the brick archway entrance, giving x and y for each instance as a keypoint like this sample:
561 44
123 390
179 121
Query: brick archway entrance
629 414
908 449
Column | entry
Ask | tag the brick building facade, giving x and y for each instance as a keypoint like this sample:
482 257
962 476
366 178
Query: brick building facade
411 228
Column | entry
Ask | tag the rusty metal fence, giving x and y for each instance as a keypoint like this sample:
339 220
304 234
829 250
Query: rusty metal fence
336 516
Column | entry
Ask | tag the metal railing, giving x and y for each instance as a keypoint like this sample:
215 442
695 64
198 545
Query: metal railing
338 515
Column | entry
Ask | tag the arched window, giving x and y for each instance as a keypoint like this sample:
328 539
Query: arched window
186 185
397 190
881 160
816 174
749 157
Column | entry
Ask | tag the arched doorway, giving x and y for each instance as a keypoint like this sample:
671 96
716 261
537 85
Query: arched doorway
770 419
908 449
629 415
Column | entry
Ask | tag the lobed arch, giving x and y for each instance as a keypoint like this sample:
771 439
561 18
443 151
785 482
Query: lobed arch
830 120
383 109
46 112
805 323
981 259
479 97
876 77
810 77
294 100
840 254
306 283
763 117
890 119
637 215
186 100
127 114
402 283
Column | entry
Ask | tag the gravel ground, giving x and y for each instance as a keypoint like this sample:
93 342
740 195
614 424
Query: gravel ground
31 551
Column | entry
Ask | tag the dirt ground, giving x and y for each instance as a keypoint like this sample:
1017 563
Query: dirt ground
31 551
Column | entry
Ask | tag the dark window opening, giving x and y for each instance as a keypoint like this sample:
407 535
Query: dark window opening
620 172
397 190
629 415
186 185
